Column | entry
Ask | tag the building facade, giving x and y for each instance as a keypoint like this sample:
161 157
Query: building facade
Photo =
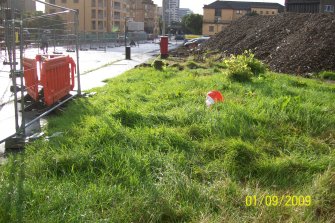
145 11
310 6
95 16
171 8
220 14
99 16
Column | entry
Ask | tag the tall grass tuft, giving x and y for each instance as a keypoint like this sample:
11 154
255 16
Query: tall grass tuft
244 67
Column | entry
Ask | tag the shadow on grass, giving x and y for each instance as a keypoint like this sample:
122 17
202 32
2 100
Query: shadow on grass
132 119
287 173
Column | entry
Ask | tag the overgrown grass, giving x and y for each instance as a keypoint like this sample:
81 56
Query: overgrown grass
146 148
328 75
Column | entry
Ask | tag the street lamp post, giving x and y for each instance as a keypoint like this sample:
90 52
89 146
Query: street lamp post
127 49
163 17
125 34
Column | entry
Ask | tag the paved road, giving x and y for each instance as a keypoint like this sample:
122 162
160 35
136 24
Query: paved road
95 66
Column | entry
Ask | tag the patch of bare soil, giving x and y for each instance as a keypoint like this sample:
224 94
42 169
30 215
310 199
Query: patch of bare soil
288 42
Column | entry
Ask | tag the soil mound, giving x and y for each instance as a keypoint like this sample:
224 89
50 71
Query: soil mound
287 42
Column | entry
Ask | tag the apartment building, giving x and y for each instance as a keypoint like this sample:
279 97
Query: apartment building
310 6
95 16
145 11
220 14
171 8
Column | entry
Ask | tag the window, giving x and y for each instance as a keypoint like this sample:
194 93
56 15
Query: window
100 25
238 11
267 12
117 5
100 3
116 26
93 25
93 14
117 15
218 12
52 1
329 8
211 29
100 14
273 12
63 1
261 12
75 1
93 3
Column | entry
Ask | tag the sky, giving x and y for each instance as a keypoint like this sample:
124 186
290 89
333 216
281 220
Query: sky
195 5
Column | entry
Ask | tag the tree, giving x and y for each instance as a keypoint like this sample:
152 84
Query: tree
192 24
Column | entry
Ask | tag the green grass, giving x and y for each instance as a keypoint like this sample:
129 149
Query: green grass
146 148
327 75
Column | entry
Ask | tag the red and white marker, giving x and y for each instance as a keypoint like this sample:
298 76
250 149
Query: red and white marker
213 97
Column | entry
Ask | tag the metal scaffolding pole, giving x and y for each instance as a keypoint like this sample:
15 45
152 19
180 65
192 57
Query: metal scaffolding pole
163 17
12 60
21 79
76 24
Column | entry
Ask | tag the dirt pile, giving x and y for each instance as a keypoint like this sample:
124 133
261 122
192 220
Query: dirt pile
288 42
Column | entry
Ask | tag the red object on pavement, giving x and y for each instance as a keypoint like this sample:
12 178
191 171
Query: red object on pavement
214 97
57 77
30 77
164 46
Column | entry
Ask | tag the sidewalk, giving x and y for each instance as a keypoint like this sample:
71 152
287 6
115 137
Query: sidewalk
96 78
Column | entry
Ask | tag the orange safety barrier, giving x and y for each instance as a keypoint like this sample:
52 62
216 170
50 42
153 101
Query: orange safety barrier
30 77
57 77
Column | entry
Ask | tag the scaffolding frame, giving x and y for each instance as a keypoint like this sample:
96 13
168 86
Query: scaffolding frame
10 22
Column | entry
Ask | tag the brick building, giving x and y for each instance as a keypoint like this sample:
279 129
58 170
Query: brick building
220 14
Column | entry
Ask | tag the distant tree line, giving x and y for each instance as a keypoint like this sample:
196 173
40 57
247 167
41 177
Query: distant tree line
190 24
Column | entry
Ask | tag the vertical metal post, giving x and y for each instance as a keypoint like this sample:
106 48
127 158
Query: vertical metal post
76 24
125 36
163 17
21 78
13 66
54 32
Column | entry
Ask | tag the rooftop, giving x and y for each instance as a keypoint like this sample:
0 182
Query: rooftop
242 5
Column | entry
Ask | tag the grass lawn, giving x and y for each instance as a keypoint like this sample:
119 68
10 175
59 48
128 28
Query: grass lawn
146 148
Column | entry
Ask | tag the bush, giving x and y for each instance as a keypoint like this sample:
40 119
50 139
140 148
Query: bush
328 75
244 67
158 64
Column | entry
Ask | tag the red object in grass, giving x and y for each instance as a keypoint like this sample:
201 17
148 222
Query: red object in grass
214 97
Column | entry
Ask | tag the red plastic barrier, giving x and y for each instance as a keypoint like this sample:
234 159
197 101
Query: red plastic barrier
57 78
30 77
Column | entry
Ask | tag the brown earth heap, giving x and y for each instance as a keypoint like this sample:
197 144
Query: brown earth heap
288 42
